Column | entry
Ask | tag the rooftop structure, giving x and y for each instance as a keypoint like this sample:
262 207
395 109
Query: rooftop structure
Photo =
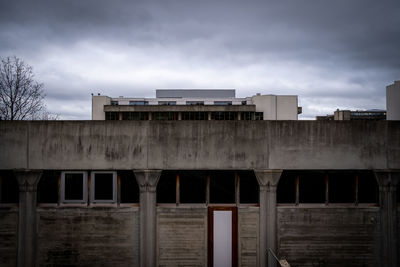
393 101
352 115
187 104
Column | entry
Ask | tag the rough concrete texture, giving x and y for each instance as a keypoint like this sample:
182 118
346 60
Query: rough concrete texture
8 236
88 236
182 236
248 235
200 145
335 237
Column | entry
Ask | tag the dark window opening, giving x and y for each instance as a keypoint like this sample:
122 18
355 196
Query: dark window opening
192 187
222 187
286 191
252 116
129 187
165 116
223 116
194 103
47 191
342 187
73 186
194 116
312 187
114 103
112 116
248 188
9 189
138 103
368 190
136 116
222 103
103 186
167 103
166 187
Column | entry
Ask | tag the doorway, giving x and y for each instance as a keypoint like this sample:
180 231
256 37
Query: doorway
222 236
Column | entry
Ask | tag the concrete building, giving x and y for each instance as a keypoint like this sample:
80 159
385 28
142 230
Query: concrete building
355 115
393 101
199 193
196 105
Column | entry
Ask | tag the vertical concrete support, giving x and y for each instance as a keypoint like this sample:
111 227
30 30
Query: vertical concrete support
268 181
388 181
27 181
147 180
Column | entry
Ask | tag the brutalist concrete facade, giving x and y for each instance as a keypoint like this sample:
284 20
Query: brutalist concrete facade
149 234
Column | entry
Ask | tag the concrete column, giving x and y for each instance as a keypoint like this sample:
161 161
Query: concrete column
27 181
268 181
147 181
388 181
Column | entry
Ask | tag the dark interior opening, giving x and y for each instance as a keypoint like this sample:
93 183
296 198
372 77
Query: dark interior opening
192 186
129 187
103 187
47 191
248 188
166 187
73 186
368 190
8 187
312 187
342 187
286 191
222 187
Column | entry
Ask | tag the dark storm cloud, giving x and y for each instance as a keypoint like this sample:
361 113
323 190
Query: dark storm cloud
328 49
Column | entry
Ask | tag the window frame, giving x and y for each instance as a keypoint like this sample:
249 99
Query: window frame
93 186
84 188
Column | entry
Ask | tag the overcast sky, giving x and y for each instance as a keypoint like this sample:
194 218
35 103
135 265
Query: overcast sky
332 54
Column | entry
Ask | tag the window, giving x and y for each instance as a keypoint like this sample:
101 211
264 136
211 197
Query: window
73 187
165 116
192 187
224 116
167 103
222 103
138 103
47 191
342 187
312 187
166 187
248 187
194 116
9 191
194 102
114 103
137 116
103 187
112 116
286 192
222 187
129 187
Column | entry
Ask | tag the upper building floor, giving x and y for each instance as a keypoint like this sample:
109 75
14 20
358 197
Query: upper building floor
199 104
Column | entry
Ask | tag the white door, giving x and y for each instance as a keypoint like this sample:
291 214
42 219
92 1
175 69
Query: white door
222 250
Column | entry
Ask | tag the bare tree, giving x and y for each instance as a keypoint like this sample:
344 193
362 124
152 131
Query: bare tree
21 97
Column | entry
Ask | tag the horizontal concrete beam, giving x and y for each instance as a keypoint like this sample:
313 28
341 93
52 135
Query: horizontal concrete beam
103 145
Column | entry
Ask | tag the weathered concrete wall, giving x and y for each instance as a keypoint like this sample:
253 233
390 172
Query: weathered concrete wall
88 237
182 236
200 145
248 236
8 236
340 236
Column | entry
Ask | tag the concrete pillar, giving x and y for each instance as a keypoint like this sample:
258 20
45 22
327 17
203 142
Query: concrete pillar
388 181
268 181
147 181
27 180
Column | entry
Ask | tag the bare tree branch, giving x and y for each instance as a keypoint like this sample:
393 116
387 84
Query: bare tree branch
21 97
